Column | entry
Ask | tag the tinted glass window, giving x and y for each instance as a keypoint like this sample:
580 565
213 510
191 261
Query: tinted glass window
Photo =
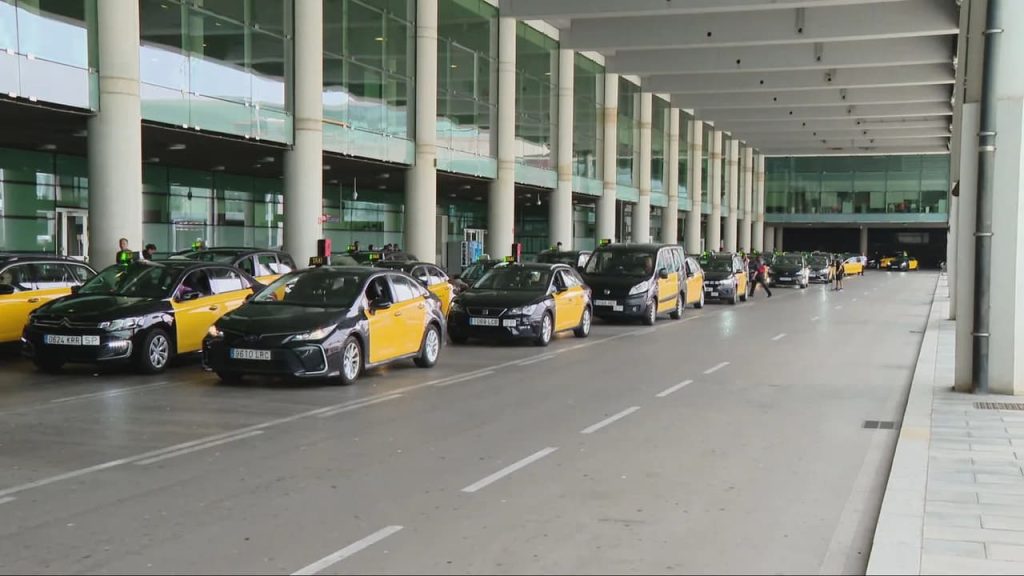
137 280
404 289
379 289
51 275
316 288
515 278
246 264
268 264
196 281
226 280
19 276
80 273
630 263
420 273
436 275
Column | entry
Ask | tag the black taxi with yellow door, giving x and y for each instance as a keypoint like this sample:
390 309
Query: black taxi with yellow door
637 281
328 322
141 312
429 276
263 264
515 300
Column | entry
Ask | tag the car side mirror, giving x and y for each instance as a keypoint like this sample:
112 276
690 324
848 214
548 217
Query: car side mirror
190 295
6 290
380 304
249 296
76 288
423 282
663 274
561 288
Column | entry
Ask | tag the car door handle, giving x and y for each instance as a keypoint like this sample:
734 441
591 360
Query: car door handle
398 313
33 300
421 306
214 307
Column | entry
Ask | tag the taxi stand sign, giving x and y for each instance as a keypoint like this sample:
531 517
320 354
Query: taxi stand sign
605 242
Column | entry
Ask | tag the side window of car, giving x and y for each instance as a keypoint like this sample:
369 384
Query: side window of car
421 275
196 281
379 290
19 276
664 261
246 265
80 274
404 288
436 275
49 275
678 259
226 280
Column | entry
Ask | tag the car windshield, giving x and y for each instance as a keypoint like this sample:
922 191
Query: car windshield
210 256
515 278
719 265
789 261
818 262
135 280
570 258
475 272
621 262
315 288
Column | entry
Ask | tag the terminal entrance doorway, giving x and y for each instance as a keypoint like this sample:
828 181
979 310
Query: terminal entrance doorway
73 233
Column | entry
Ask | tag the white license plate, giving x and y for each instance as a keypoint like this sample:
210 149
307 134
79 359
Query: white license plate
244 354
63 340
484 322
784 279
508 323
604 302
617 308
713 293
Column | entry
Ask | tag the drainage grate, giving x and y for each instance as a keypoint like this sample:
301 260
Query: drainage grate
998 406
879 424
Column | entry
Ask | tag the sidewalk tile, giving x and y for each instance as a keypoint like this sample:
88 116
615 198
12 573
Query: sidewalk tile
953 520
973 535
950 548
995 522
1006 552
939 564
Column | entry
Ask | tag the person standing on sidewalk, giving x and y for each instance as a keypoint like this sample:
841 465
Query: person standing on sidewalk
840 274
760 273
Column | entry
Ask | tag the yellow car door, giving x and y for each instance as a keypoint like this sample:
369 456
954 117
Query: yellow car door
203 297
443 291
410 310
570 302
383 324
695 287
668 288
17 300
193 316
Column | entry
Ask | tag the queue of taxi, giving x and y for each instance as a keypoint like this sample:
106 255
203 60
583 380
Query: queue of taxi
252 311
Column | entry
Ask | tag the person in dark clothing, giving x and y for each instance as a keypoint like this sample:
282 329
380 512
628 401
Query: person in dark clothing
759 274
148 253
840 274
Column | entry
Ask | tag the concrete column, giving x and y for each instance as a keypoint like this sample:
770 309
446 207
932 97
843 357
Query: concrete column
864 241
967 225
733 165
1006 343
560 214
303 164
421 181
778 239
758 216
501 206
609 159
642 210
695 130
769 239
115 136
670 218
715 184
747 200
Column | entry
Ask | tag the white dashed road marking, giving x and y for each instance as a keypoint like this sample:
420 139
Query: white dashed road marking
484 482
199 447
778 337
332 559
595 427
716 368
675 388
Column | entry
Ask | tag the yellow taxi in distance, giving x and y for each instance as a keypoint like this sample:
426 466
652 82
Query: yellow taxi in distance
27 281
429 276
694 291
143 312
264 265
853 266
328 322
904 263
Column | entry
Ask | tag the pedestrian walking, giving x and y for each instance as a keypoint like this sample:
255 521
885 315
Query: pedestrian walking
760 276
840 274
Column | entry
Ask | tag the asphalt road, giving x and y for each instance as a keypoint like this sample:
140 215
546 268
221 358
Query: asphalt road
731 441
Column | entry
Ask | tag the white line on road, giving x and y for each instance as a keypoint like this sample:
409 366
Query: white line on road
457 379
840 307
111 393
815 318
854 300
8 499
357 406
508 470
716 368
778 337
199 447
332 559
595 427
675 388
540 358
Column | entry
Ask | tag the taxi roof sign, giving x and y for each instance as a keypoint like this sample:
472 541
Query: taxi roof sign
316 261
605 242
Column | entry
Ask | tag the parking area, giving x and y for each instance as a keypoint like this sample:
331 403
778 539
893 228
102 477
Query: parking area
734 440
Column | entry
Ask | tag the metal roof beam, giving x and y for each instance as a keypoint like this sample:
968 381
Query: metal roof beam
913 75
829 97
560 9
826 112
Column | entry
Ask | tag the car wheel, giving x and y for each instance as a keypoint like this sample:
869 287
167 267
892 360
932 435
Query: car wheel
351 360
583 330
651 312
431 348
680 305
547 329
229 377
154 353
48 365
700 304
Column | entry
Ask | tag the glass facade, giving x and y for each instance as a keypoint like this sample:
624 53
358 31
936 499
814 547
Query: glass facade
34 186
588 125
659 143
217 65
467 87
705 174
369 69
536 106
628 132
684 160
726 143
857 185
48 51
374 217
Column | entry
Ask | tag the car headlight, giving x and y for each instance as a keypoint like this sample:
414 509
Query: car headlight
214 332
456 306
523 310
318 334
640 288
121 324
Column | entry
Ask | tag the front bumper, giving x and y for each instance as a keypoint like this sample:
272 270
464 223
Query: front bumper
719 291
508 327
96 346
301 360
622 307
789 280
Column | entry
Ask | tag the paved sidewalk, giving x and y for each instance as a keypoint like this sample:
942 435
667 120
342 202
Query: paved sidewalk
954 503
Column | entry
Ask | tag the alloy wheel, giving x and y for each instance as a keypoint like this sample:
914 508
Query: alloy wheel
159 350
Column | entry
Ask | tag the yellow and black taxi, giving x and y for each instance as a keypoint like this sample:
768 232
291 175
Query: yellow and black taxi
27 281
429 276
725 278
263 264
142 312
853 265
371 257
328 322
514 300
575 258
792 270
820 268
636 281
904 263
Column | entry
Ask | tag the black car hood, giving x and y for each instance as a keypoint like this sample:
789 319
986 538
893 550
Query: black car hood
716 275
101 307
500 298
787 269
274 318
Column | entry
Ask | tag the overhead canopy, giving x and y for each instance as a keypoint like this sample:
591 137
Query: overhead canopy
787 76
